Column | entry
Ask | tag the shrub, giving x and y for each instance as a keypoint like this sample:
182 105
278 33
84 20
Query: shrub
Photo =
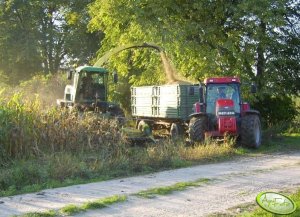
275 109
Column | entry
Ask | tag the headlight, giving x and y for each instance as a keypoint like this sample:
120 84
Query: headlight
221 113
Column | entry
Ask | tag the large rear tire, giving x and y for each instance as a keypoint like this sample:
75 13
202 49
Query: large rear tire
251 131
197 128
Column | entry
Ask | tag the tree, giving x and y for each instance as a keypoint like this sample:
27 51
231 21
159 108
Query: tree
18 53
253 39
39 35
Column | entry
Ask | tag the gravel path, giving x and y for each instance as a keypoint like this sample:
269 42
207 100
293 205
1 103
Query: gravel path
233 183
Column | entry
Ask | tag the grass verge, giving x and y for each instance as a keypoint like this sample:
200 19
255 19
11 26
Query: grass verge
74 209
50 213
180 186
64 168
97 204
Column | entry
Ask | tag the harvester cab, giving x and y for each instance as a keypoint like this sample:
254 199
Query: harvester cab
221 111
89 91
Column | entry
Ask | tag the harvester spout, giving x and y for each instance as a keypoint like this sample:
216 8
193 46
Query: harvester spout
116 50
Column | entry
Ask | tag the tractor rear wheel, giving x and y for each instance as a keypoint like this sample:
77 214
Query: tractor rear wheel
251 131
197 128
176 131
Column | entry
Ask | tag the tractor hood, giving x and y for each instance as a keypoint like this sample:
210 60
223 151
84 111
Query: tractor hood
225 107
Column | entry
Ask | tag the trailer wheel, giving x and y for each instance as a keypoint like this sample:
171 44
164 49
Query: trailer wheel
251 131
145 128
197 128
176 131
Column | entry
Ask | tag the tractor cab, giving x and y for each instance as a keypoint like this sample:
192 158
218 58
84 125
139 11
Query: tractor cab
222 95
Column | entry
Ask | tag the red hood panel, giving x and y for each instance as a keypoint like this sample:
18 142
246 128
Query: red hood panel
225 103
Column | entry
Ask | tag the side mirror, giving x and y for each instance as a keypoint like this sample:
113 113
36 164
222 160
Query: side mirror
201 99
69 75
253 88
115 77
191 91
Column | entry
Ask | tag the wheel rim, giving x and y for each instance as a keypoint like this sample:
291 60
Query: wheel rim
174 132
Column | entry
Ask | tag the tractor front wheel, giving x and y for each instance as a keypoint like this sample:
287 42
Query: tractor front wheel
197 127
251 131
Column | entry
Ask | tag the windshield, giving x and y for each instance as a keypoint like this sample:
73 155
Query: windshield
222 91
92 86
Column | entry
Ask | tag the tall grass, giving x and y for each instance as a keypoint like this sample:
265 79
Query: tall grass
26 130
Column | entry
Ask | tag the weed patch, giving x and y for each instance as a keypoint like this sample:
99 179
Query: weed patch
74 209
180 186
51 213
97 204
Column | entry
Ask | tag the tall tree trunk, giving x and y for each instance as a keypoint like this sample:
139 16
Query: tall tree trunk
260 67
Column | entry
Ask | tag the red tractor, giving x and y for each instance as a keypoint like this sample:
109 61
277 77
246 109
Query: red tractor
221 111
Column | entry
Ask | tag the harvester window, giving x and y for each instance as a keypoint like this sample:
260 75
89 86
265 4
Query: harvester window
98 79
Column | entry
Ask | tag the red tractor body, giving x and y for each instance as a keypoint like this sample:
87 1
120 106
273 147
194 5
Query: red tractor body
221 111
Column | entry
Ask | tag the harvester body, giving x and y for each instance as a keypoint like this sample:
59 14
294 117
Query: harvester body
89 91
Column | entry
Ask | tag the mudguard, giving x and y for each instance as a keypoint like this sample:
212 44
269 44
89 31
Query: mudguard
197 114
251 111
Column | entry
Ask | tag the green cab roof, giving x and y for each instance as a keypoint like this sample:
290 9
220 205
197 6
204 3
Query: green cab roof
91 69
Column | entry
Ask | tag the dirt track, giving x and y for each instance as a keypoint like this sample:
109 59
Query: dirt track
232 183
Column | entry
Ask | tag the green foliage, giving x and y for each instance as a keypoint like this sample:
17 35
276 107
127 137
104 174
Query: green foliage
257 41
24 173
276 109
71 209
42 36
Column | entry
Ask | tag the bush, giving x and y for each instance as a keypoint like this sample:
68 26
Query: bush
275 109
22 173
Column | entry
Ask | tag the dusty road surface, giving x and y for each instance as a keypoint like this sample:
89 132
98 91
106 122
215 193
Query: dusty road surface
231 184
